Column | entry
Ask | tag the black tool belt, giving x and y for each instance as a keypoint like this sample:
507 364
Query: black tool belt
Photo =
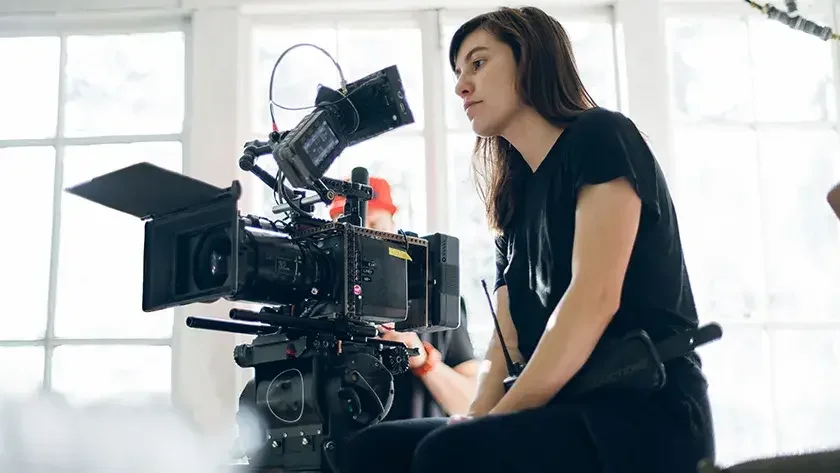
632 363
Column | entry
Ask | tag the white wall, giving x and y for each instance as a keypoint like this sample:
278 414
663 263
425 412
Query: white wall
205 378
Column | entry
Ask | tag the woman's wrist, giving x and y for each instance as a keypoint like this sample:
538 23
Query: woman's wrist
430 358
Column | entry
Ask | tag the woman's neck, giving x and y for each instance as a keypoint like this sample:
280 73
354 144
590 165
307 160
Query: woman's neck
533 136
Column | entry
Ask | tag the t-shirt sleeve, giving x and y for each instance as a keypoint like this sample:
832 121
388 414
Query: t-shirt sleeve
607 146
501 261
460 347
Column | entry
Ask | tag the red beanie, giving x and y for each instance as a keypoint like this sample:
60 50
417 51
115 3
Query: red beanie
381 198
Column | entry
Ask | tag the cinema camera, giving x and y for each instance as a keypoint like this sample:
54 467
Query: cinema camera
319 371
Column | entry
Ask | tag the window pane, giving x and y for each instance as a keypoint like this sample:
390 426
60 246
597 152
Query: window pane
456 119
737 368
304 68
297 76
469 224
807 387
86 374
28 87
393 46
100 275
401 160
801 86
125 84
717 202
710 69
594 50
21 370
801 233
593 46
26 201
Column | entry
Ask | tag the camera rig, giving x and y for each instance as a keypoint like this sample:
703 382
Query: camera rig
320 373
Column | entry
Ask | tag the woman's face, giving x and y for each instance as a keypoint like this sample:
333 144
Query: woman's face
485 70
379 219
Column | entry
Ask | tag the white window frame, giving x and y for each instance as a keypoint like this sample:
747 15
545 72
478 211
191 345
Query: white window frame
63 27
761 323
740 11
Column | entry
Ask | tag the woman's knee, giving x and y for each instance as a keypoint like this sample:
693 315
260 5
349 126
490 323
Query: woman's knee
387 446
360 448
364 440
449 449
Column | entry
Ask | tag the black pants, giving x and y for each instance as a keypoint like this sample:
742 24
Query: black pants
657 434
493 444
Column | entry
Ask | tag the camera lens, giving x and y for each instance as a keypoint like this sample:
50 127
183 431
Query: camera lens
219 264
212 260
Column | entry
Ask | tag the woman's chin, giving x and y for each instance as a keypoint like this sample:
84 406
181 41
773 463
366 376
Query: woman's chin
482 128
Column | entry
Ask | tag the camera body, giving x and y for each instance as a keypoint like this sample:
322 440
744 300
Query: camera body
323 269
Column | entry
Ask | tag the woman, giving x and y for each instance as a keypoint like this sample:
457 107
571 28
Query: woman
588 247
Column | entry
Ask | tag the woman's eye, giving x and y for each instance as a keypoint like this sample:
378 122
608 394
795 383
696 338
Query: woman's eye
478 63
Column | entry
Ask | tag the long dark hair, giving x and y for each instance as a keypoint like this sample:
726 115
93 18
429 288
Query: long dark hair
547 79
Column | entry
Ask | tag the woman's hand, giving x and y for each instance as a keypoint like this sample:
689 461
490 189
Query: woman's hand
458 418
409 339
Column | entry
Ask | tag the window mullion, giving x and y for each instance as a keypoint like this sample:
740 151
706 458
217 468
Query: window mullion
58 180
438 175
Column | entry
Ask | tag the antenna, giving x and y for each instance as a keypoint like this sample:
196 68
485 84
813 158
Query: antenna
514 369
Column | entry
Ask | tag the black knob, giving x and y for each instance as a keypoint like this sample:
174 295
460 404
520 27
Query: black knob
243 356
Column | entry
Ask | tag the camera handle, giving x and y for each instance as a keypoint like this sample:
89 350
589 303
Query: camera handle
256 148
247 162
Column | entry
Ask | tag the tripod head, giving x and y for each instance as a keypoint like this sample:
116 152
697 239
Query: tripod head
315 381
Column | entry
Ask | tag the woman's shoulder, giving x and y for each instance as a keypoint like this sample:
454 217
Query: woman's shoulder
598 120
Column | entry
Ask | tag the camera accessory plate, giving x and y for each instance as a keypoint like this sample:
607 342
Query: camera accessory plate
145 190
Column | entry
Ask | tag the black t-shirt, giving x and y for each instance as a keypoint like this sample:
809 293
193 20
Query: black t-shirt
534 255
534 258
411 398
